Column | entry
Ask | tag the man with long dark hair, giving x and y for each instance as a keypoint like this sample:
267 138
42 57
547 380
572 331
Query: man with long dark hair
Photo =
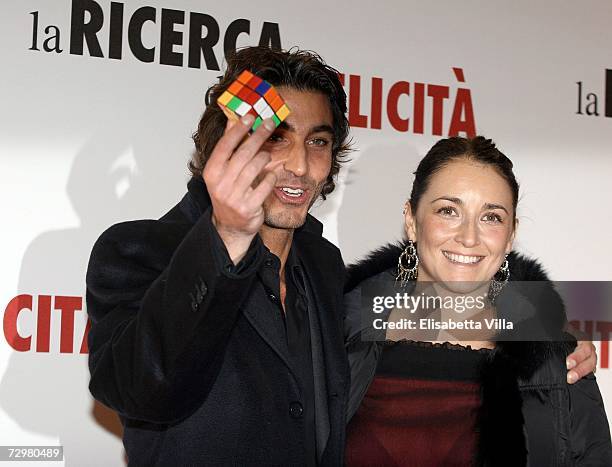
216 330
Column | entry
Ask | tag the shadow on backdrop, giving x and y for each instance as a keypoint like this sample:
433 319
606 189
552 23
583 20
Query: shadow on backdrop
113 176
376 187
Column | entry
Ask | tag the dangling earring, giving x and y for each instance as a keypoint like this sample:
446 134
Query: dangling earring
499 280
408 264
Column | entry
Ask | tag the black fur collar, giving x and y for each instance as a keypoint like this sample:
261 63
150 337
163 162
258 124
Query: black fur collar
525 357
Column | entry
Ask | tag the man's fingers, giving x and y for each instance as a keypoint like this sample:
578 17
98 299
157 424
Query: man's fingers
263 190
250 171
234 165
583 351
230 123
247 150
230 141
583 369
251 145
581 362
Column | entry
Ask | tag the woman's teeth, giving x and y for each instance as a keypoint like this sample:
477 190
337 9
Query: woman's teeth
461 258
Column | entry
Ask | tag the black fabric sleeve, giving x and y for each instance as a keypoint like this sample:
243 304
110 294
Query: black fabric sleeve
590 432
161 310
246 266
362 353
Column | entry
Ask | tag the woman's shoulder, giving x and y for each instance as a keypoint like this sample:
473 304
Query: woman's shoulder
378 264
526 268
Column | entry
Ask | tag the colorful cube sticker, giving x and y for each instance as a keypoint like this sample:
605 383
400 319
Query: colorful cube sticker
251 94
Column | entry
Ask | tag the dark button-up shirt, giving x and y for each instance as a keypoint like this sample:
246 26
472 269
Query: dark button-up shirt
293 323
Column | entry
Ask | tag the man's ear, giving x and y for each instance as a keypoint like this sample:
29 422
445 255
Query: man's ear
410 222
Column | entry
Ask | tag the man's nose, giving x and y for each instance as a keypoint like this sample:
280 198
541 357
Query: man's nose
297 162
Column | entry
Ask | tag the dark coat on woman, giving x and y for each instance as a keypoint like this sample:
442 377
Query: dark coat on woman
529 415
180 350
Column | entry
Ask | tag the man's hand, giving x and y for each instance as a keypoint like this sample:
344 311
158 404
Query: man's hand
233 166
581 362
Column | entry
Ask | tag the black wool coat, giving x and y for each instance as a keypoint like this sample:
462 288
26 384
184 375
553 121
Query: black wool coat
191 368
529 415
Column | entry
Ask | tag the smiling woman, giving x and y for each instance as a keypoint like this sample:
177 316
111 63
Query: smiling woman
464 220
463 399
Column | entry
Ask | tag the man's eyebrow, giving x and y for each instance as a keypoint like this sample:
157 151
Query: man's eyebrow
323 128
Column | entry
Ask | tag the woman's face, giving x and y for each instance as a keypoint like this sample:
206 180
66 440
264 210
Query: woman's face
464 223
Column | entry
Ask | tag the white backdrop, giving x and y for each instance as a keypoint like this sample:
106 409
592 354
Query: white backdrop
89 141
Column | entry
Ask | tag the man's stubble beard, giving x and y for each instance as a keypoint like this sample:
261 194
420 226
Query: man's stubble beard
286 220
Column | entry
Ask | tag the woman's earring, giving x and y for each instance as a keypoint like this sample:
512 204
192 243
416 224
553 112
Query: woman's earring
499 280
408 264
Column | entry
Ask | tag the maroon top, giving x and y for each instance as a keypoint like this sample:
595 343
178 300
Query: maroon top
420 409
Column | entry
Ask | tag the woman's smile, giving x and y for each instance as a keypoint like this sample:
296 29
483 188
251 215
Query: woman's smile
463 260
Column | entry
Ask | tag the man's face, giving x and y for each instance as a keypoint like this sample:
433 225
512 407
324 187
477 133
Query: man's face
304 142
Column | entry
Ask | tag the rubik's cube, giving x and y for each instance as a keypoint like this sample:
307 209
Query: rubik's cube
251 94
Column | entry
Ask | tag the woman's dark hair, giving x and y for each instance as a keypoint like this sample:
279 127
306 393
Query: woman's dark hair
478 149
298 69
